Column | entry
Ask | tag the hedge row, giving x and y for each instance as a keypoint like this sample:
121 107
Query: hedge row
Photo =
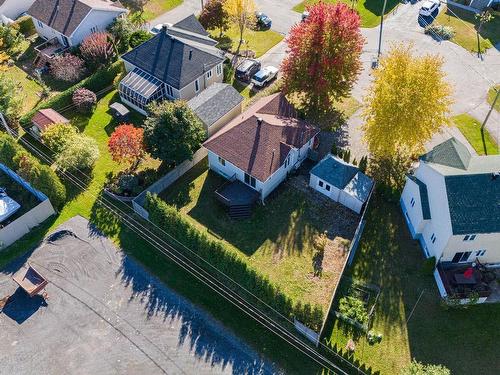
96 82
38 175
215 252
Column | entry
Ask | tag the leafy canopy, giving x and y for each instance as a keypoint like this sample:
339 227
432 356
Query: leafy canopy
241 13
418 368
214 16
407 103
80 152
172 132
56 136
126 144
11 99
67 67
324 55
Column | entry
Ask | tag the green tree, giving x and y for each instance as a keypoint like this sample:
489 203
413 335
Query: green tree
418 368
11 99
407 103
121 29
80 152
139 37
172 132
214 16
57 136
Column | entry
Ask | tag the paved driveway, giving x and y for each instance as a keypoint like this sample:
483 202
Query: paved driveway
107 315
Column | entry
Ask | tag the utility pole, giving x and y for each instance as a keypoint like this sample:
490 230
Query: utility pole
380 32
491 109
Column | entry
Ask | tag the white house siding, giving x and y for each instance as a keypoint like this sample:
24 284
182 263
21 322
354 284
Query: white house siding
483 241
440 223
350 202
96 20
333 194
13 8
189 91
46 32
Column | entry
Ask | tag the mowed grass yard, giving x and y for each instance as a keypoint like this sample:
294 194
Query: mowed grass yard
155 8
369 10
30 89
277 240
481 141
465 341
465 25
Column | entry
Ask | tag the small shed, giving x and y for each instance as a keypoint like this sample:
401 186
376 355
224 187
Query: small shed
216 106
342 182
45 118
119 111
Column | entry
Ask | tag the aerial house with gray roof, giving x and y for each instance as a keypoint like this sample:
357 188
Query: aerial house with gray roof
178 63
451 203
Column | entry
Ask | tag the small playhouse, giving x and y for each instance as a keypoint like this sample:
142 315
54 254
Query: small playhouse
341 182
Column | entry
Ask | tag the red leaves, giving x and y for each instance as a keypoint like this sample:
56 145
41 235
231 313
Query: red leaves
126 144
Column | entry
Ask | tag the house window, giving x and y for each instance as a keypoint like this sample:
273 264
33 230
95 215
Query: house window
470 237
320 183
461 257
197 85
327 187
219 69
433 238
480 253
209 74
222 161
40 23
170 91
412 202
93 29
249 180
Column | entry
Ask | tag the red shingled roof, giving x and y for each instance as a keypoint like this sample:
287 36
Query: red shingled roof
46 117
259 141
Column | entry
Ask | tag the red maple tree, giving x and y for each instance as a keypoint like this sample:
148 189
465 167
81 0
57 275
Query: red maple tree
323 60
126 145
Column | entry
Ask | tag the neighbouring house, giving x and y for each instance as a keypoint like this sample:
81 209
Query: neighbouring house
261 147
217 106
178 63
342 182
66 23
45 118
451 203
21 207
10 10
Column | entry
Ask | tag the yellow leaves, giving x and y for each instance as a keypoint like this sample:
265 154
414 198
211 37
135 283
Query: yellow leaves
407 103
241 12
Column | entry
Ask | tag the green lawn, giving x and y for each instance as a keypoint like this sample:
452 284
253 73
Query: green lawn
30 89
155 8
277 240
369 10
482 142
259 41
464 24
99 126
466 341
492 92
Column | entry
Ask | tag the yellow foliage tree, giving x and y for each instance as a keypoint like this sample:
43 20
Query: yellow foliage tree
242 14
407 103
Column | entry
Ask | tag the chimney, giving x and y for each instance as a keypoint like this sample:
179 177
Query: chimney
259 120
164 28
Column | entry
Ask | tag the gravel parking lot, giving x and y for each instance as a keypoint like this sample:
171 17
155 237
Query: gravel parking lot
105 314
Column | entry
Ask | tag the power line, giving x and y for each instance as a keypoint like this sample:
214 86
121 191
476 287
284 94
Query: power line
180 259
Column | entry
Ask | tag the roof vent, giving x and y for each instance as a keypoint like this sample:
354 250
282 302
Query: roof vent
259 120
164 27
190 54
495 175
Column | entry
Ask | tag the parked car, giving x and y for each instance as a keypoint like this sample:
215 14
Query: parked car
428 8
264 76
246 70
263 21
305 14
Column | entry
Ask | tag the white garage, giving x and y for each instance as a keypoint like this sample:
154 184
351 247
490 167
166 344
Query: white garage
342 182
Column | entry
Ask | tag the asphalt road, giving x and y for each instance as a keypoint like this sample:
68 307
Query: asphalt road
107 315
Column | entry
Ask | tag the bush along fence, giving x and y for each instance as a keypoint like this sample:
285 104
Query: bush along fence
98 81
215 252
41 177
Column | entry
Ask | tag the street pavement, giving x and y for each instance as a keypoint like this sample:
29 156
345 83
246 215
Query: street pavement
470 76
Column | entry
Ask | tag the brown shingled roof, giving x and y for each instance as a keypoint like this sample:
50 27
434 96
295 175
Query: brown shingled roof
46 117
260 147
